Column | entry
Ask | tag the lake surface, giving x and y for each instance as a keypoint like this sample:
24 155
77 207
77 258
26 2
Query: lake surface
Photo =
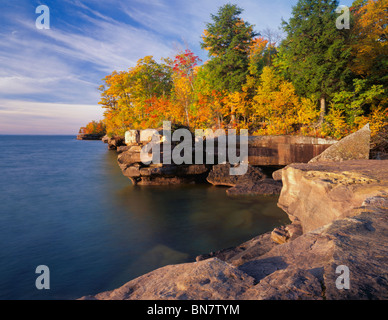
65 204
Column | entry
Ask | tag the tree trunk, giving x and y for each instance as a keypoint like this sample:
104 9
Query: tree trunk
323 110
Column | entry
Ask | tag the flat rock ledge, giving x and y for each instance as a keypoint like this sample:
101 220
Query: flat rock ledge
301 260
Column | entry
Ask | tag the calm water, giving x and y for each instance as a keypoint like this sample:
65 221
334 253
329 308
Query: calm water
64 203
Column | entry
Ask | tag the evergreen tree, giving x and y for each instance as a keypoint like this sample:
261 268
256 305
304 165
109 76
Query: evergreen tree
316 53
228 40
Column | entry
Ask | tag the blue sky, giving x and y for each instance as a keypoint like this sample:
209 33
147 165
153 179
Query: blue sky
49 78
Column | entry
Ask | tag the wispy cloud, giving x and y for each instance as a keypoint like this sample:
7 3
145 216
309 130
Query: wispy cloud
25 117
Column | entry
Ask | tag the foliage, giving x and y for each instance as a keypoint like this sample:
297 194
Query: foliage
278 107
370 43
315 52
228 40
94 127
251 81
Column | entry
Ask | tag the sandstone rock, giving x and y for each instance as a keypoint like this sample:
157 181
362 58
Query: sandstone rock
132 137
105 139
277 175
220 176
353 147
306 267
122 149
115 142
279 235
254 182
318 193
262 187
211 279
247 251
284 150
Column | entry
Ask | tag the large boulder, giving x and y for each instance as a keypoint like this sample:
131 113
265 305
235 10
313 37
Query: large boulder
353 147
318 193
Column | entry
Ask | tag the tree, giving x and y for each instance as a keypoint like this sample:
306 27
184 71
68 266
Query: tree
278 107
370 42
183 78
316 53
228 40
128 95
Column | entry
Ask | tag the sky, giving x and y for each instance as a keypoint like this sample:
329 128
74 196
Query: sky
49 78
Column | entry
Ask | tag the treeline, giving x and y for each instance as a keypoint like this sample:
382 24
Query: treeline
94 127
318 80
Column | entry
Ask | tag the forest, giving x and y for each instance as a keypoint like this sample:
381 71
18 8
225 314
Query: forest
309 78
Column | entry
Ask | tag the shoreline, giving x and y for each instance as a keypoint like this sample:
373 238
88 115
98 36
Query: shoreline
338 208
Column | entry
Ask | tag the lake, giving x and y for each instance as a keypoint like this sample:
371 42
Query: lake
65 204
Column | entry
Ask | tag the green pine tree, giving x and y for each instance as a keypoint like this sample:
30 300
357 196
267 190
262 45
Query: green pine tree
228 39
316 53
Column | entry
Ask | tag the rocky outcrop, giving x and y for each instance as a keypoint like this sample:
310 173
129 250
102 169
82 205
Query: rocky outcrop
211 279
140 173
338 234
284 150
353 147
304 268
87 136
114 142
316 194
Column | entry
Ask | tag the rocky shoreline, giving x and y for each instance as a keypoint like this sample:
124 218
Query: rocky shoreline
338 205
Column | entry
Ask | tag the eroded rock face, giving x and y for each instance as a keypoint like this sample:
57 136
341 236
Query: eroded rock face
318 193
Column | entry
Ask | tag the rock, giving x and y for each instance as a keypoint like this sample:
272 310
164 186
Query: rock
132 137
254 182
220 175
115 142
89 136
288 233
353 147
318 193
284 150
262 187
122 149
277 175
306 267
105 139
280 235
247 251
211 279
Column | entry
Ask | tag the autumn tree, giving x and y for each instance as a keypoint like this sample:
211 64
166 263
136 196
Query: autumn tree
278 108
370 40
183 79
